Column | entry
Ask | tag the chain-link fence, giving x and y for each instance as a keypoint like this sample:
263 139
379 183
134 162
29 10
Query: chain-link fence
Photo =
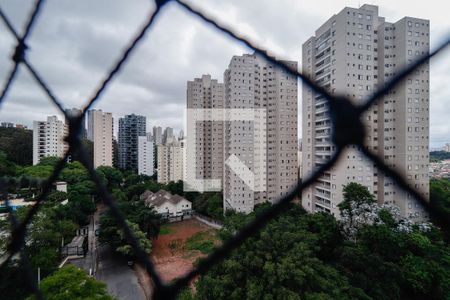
346 120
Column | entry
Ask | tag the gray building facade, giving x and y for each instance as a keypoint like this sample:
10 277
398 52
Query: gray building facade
354 53
130 128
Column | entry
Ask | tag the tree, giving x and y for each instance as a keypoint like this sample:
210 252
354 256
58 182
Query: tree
72 283
6 166
17 144
209 204
437 156
355 196
57 196
113 177
285 267
142 219
440 202
125 248
42 170
88 147
307 256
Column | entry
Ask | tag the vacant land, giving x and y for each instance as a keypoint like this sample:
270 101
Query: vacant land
179 245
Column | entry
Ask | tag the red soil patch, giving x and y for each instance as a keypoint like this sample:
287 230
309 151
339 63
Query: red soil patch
175 261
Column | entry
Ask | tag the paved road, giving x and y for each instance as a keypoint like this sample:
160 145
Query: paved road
120 279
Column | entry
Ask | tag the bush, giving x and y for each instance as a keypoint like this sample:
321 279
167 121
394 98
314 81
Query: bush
165 229
201 242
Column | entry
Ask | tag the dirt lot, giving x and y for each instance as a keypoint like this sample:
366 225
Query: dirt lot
169 252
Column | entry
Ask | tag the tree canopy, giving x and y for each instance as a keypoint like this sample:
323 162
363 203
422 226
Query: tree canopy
436 156
309 256
17 144
72 283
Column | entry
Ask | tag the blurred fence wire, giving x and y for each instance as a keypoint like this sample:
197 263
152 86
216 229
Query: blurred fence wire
348 129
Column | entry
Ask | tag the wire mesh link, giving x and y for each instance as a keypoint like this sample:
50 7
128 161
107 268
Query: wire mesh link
348 129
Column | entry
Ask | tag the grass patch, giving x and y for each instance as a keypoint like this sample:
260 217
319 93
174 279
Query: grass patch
165 229
201 241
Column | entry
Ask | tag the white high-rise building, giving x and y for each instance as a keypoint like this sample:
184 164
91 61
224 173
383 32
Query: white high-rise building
260 154
100 132
48 138
145 155
354 53
170 162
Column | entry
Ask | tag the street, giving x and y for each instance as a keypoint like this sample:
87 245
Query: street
120 279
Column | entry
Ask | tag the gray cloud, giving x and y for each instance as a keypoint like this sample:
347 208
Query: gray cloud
75 43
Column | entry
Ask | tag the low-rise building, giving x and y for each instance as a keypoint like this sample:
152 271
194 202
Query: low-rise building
170 207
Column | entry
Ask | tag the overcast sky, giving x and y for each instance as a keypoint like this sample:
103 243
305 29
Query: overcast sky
74 43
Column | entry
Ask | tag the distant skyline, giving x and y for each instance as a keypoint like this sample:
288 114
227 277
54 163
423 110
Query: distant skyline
74 43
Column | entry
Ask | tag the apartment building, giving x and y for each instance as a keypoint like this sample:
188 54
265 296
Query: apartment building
260 151
168 135
352 54
48 138
130 128
205 137
170 163
100 132
157 135
145 155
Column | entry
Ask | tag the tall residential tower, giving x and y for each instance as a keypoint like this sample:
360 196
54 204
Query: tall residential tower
130 128
100 132
260 148
352 54
203 95
145 155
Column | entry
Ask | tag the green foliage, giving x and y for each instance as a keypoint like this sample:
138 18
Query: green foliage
185 294
12 285
125 248
201 241
209 204
17 144
74 173
165 229
72 283
42 170
306 256
57 196
113 177
44 236
6 166
88 146
357 194
440 200
144 220
437 156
